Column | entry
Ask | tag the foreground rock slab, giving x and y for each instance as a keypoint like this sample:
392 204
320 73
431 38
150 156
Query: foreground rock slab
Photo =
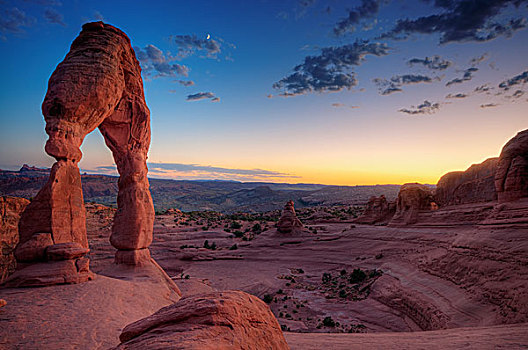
83 316
219 320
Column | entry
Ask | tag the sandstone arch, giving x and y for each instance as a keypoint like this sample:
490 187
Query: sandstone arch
97 85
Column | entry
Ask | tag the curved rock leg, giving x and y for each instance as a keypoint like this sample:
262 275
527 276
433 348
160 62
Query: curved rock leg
127 134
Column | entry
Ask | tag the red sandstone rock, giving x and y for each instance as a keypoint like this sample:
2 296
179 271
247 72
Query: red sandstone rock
98 84
475 185
65 251
50 273
34 249
3 303
511 178
412 199
10 209
58 208
377 211
220 320
137 257
288 221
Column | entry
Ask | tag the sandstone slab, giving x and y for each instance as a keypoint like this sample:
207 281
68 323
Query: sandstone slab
219 320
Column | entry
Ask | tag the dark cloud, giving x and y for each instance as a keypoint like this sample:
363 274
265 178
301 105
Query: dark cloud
367 9
461 20
468 75
12 20
434 63
202 96
185 82
459 95
54 16
517 94
330 71
516 80
387 87
216 99
157 64
477 60
190 44
426 107
482 88
488 105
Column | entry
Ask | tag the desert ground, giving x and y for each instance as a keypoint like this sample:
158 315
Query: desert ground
400 287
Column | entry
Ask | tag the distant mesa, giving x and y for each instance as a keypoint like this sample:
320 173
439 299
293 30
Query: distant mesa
288 222
27 168
494 192
378 211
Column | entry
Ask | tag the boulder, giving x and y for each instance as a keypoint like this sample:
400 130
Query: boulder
288 221
412 199
219 320
34 249
377 211
10 210
65 251
511 178
475 185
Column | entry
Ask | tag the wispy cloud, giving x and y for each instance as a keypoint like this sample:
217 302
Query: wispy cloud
426 107
461 21
342 105
367 9
203 96
331 71
54 16
519 79
387 87
202 172
188 45
157 64
185 82
434 63
468 75
488 105
459 95
13 20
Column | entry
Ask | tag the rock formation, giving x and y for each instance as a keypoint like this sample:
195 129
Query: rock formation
288 221
10 209
219 320
475 185
412 199
97 85
377 211
511 178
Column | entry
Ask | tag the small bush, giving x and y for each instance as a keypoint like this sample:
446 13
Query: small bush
267 298
326 277
329 322
357 276
233 247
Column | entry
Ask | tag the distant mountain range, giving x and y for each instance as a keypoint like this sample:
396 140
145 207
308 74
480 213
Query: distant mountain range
188 195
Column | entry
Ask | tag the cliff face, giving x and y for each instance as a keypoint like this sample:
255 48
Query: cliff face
377 211
511 178
475 185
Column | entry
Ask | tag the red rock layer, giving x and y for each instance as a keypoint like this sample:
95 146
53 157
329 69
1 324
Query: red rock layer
10 209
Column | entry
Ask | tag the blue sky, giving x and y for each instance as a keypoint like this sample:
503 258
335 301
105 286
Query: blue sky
358 111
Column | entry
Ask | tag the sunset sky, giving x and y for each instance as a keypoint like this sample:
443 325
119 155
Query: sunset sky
313 91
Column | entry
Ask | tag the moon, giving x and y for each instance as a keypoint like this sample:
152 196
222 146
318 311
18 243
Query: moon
208 37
